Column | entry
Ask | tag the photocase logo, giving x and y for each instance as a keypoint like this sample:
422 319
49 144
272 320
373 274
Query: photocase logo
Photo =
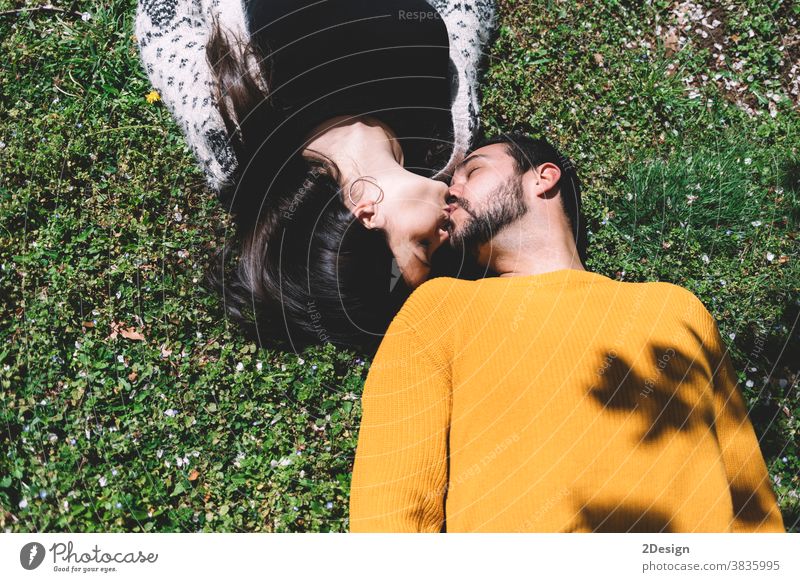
31 555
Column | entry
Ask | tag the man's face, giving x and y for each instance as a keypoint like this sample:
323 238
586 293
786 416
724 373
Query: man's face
485 196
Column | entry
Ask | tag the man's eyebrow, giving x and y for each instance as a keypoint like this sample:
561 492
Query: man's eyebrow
467 160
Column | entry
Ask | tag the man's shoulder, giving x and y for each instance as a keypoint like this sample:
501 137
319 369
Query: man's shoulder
436 299
440 284
676 296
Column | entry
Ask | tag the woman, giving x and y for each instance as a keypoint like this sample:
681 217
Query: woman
313 121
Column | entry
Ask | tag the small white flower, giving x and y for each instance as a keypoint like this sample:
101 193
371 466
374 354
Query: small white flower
259 365
329 505
749 384
285 462
86 17
23 504
102 480
705 258
783 382
159 453
770 257
121 359
114 472
239 367
301 361
170 412
756 223
66 504
732 335
748 161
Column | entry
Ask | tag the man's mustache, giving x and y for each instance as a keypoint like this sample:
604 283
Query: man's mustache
461 202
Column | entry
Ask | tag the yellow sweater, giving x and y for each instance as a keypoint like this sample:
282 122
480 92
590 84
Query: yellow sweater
561 402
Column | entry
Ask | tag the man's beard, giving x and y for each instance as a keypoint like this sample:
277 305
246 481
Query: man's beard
504 205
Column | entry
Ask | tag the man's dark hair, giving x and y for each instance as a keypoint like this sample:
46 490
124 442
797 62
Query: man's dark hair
529 152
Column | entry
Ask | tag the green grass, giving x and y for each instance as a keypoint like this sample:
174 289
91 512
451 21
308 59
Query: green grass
105 225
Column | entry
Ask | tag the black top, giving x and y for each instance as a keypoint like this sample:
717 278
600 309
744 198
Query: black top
385 58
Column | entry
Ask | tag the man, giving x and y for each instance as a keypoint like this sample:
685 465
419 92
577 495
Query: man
551 398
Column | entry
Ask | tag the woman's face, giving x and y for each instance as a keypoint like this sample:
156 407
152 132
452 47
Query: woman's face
412 211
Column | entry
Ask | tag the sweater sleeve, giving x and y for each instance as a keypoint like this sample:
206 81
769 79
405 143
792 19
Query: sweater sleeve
172 36
755 507
400 472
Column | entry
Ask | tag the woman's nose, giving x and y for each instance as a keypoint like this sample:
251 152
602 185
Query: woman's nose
442 190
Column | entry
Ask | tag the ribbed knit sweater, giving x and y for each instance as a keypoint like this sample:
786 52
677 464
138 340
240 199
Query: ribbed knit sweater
560 402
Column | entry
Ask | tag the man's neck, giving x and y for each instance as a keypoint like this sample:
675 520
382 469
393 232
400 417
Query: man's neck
524 248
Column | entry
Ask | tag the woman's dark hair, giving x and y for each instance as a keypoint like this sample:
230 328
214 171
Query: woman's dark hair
307 272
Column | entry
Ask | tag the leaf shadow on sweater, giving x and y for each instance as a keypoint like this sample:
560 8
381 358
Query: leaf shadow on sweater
623 518
657 387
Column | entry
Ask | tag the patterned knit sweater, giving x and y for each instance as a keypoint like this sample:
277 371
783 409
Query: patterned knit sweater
172 35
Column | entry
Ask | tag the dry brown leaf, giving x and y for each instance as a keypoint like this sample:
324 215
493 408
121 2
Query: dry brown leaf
131 334
671 42
132 376
598 58
194 475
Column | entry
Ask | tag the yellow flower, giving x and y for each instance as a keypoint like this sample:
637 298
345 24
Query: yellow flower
153 96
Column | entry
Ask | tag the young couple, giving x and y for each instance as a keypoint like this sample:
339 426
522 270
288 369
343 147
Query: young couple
546 398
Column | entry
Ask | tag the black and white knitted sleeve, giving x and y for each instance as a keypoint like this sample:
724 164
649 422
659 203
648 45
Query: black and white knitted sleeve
172 36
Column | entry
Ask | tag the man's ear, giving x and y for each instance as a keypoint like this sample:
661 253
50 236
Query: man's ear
544 177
